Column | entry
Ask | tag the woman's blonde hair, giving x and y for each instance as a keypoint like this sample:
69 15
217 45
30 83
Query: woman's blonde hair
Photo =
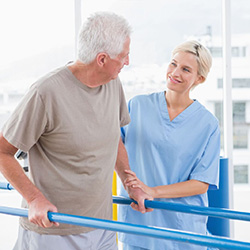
202 54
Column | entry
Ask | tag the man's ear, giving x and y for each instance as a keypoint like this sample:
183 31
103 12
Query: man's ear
201 79
101 59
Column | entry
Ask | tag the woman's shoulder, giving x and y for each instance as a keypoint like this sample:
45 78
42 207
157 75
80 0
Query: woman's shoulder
146 98
207 114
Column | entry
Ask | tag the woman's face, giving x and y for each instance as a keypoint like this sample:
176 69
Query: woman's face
182 73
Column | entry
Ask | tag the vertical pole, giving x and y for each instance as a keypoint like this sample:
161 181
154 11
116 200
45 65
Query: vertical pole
78 21
114 192
227 99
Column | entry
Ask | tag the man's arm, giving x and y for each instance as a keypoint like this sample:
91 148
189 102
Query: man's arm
137 194
13 172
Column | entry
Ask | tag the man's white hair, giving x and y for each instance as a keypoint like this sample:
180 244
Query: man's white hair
102 32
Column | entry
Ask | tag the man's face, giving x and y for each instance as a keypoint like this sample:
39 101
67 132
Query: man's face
115 65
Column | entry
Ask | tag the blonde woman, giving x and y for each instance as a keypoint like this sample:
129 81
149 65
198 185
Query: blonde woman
173 145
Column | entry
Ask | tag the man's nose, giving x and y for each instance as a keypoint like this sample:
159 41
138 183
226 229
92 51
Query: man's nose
126 60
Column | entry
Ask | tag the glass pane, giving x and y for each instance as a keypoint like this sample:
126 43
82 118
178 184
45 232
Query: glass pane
240 137
218 113
239 112
237 82
241 82
36 37
241 174
240 37
240 129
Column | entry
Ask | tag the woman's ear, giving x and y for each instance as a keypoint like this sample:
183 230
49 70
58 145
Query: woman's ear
200 79
101 59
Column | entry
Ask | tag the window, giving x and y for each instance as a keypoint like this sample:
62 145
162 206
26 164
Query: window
239 112
241 174
36 37
236 82
236 51
240 130
14 97
240 127
218 113
216 51
240 136
244 51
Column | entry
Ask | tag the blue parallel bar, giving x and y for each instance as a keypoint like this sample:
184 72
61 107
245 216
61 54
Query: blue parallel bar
5 185
198 239
208 211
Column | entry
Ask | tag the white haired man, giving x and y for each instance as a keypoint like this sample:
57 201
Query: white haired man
69 123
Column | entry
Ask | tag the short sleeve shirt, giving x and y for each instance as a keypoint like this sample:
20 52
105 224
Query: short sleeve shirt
163 152
71 133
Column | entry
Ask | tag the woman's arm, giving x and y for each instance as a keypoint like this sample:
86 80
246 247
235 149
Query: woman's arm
177 190
122 165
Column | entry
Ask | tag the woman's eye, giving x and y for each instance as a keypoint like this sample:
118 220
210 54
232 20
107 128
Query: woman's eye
174 64
185 69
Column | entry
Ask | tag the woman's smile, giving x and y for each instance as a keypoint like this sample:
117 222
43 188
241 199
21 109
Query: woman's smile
172 79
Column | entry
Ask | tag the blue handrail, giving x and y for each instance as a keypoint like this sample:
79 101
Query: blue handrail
6 185
168 234
208 211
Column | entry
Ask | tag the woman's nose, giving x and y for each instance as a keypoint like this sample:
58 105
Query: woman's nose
176 71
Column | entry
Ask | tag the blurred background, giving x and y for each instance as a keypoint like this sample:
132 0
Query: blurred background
38 36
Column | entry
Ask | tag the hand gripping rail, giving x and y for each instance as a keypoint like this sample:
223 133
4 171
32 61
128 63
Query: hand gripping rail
207 211
162 233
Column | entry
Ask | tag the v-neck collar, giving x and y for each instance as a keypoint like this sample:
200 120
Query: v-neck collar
178 119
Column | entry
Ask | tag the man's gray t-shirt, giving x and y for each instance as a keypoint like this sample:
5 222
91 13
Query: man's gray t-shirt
72 133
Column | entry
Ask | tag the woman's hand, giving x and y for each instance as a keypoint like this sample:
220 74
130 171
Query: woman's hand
175 190
132 181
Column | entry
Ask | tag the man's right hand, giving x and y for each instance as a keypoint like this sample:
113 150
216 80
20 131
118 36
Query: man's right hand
13 172
38 212
140 196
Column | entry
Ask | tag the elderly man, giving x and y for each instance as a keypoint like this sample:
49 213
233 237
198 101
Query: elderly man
69 123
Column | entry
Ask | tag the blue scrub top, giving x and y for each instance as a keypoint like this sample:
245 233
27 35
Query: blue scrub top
163 152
